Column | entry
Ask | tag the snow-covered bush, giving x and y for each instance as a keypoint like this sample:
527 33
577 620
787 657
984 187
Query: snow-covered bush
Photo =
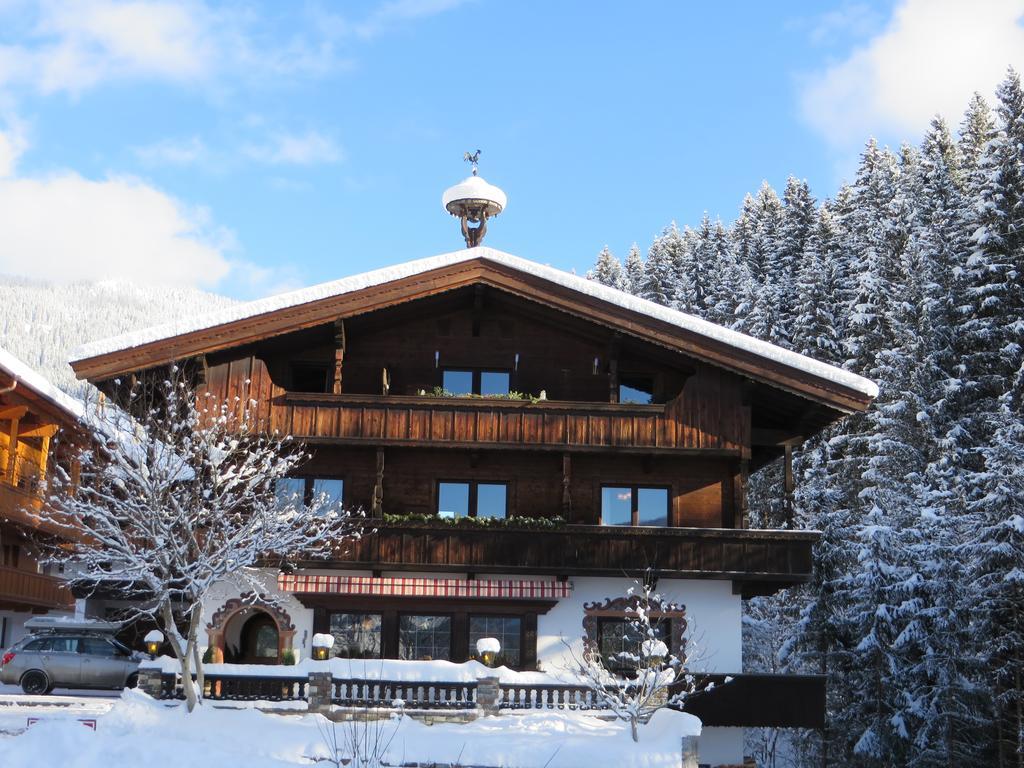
176 493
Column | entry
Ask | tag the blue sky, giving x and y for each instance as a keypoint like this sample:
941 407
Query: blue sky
251 147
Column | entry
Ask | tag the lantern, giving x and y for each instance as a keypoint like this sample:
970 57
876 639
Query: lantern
322 644
154 639
488 648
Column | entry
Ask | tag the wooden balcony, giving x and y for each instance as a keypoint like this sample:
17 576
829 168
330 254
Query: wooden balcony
24 508
758 562
508 424
33 590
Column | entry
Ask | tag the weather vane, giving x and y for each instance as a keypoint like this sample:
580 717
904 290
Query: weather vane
472 157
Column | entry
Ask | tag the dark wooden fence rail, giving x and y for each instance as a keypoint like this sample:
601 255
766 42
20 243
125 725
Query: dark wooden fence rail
230 687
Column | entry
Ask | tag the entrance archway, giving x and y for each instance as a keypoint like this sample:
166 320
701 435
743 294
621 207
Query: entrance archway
250 630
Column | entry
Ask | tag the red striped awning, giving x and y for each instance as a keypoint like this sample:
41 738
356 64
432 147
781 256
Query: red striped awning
394 586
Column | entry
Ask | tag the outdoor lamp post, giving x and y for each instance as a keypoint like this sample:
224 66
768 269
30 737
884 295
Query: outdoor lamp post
322 644
488 648
154 639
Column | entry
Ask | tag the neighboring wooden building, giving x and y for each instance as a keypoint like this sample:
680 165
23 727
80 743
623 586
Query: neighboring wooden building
631 452
32 412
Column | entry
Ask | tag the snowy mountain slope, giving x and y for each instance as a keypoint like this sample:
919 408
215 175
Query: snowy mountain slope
41 322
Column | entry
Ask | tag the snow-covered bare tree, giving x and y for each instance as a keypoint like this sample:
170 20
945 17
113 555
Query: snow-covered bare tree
178 493
644 673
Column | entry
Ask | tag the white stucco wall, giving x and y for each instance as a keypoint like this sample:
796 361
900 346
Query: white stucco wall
714 626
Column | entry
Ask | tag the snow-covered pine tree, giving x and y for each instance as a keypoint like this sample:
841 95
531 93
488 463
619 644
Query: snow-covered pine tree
991 345
817 323
731 282
976 130
633 276
607 270
799 216
762 220
660 282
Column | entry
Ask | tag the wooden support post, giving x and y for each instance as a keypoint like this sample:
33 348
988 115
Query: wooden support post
741 484
566 481
339 353
377 507
12 451
613 369
788 483
478 307
44 458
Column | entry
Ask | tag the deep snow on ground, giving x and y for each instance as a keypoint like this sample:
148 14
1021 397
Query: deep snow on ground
140 731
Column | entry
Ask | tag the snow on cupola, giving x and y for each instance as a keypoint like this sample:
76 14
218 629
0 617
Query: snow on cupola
473 201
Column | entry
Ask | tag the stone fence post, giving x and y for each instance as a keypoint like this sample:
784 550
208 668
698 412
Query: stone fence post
318 691
151 681
690 752
488 695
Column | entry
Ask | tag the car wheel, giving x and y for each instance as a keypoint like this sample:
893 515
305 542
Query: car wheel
132 681
35 683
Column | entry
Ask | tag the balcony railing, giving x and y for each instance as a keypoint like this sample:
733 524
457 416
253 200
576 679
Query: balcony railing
27 508
481 422
25 588
761 561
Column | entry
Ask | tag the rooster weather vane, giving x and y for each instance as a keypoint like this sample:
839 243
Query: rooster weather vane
472 157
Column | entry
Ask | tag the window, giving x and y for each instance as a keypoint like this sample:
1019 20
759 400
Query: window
471 499
634 505
304 490
507 630
311 378
329 492
53 645
636 389
9 555
619 641
96 646
473 381
356 635
424 637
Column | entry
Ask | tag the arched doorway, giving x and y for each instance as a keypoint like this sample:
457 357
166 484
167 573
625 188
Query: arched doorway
258 641
250 630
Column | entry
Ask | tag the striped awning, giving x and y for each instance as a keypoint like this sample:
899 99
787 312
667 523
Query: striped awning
395 586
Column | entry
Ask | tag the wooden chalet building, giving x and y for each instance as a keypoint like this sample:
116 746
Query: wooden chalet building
630 451
32 412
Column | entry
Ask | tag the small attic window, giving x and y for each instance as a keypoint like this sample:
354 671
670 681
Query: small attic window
311 378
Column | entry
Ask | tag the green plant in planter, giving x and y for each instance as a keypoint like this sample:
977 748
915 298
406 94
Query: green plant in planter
539 523
288 657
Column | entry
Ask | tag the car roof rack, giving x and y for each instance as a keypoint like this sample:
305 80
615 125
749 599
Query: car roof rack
65 624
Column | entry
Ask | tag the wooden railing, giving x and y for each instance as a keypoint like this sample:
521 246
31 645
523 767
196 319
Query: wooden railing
772 558
32 589
27 508
476 423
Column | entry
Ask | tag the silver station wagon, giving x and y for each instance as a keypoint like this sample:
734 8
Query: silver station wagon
68 659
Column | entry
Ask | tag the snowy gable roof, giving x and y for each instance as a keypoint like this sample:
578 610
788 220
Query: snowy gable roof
30 379
760 349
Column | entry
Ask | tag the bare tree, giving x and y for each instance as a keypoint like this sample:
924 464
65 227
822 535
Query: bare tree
645 674
177 493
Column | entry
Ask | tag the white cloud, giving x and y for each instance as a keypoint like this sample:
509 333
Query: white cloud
79 44
173 152
929 59
67 227
309 148
13 143
394 12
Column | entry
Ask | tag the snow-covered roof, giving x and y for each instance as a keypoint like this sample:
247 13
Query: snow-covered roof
592 288
27 377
